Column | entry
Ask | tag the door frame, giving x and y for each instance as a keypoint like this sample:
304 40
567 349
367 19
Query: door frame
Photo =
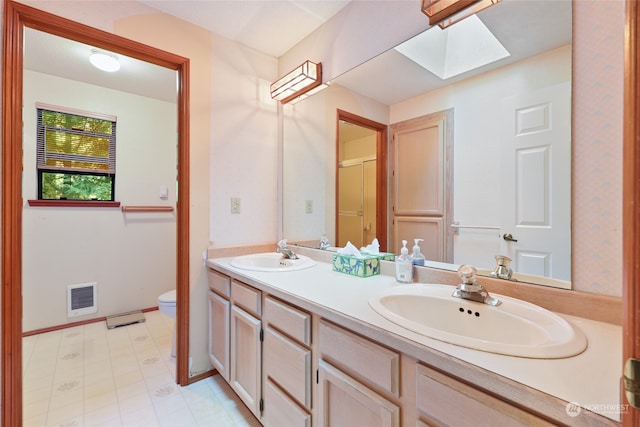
381 171
17 16
631 198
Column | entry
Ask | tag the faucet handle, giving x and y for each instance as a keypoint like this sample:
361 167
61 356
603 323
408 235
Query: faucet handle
468 274
471 290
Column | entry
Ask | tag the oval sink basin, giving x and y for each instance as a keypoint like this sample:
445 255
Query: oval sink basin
271 261
514 328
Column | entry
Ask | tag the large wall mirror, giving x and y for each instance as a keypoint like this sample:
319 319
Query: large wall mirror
527 92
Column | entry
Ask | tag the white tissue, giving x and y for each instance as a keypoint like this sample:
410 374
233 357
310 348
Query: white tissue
349 249
373 248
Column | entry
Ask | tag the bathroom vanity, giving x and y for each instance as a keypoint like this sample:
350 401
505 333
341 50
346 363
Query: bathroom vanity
304 348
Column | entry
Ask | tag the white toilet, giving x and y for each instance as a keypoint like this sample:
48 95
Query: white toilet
167 305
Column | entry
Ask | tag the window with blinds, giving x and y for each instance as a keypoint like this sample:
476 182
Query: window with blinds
76 155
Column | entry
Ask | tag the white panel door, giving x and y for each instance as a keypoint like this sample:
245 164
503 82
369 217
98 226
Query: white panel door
536 182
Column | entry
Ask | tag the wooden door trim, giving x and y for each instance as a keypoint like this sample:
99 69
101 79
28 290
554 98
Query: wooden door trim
381 171
631 198
16 17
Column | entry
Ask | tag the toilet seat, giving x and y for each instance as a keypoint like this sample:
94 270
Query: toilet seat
168 298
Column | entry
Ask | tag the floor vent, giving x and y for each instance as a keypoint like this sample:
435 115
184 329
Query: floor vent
82 299
125 319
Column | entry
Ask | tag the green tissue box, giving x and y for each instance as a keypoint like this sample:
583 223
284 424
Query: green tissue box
386 256
360 267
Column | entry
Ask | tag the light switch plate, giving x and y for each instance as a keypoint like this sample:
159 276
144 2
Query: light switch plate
164 192
235 205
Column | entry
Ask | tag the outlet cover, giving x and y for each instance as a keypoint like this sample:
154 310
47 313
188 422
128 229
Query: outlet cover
308 206
235 205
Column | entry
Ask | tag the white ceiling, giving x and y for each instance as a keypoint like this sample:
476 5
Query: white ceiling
525 27
255 23
269 26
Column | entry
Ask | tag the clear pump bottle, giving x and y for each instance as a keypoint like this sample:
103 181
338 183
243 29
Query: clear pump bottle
404 265
418 257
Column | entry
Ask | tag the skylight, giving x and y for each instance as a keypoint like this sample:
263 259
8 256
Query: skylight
462 47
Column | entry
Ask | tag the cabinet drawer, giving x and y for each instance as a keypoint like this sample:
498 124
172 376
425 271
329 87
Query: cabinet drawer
440 397
219 283
280 411
246 297
288 364
369 362
290 320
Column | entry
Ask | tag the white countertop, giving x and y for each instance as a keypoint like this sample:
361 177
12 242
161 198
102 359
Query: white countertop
590 379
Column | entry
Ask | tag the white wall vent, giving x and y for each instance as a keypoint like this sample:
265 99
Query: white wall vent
82 299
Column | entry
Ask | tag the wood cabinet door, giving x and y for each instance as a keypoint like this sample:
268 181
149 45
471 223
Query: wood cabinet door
289 365
246 374
280 410
344 402
219 309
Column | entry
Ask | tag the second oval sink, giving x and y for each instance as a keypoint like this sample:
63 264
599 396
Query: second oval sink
514 328
271 261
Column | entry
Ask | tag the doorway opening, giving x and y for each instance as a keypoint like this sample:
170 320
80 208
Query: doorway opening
361 181
17 16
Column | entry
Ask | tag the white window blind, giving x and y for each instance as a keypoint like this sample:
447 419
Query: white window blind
75 143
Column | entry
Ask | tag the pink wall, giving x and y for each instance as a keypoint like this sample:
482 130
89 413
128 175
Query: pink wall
598 69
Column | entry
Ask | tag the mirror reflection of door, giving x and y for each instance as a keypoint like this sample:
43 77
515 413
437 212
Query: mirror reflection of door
536 181
422 185
360 197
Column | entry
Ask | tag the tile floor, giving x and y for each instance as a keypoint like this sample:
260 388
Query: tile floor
93 376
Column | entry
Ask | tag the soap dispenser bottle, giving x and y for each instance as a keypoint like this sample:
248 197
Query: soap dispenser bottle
404 265
418 258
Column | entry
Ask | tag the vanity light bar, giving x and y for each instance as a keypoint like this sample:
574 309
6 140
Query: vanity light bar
447 12
299 81
305 95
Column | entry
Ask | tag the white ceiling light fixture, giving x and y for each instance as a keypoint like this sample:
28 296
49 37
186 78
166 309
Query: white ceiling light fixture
298 82
447 12
105 61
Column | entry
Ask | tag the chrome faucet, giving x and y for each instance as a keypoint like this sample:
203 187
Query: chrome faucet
502 270
471 290
324 243
286 252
